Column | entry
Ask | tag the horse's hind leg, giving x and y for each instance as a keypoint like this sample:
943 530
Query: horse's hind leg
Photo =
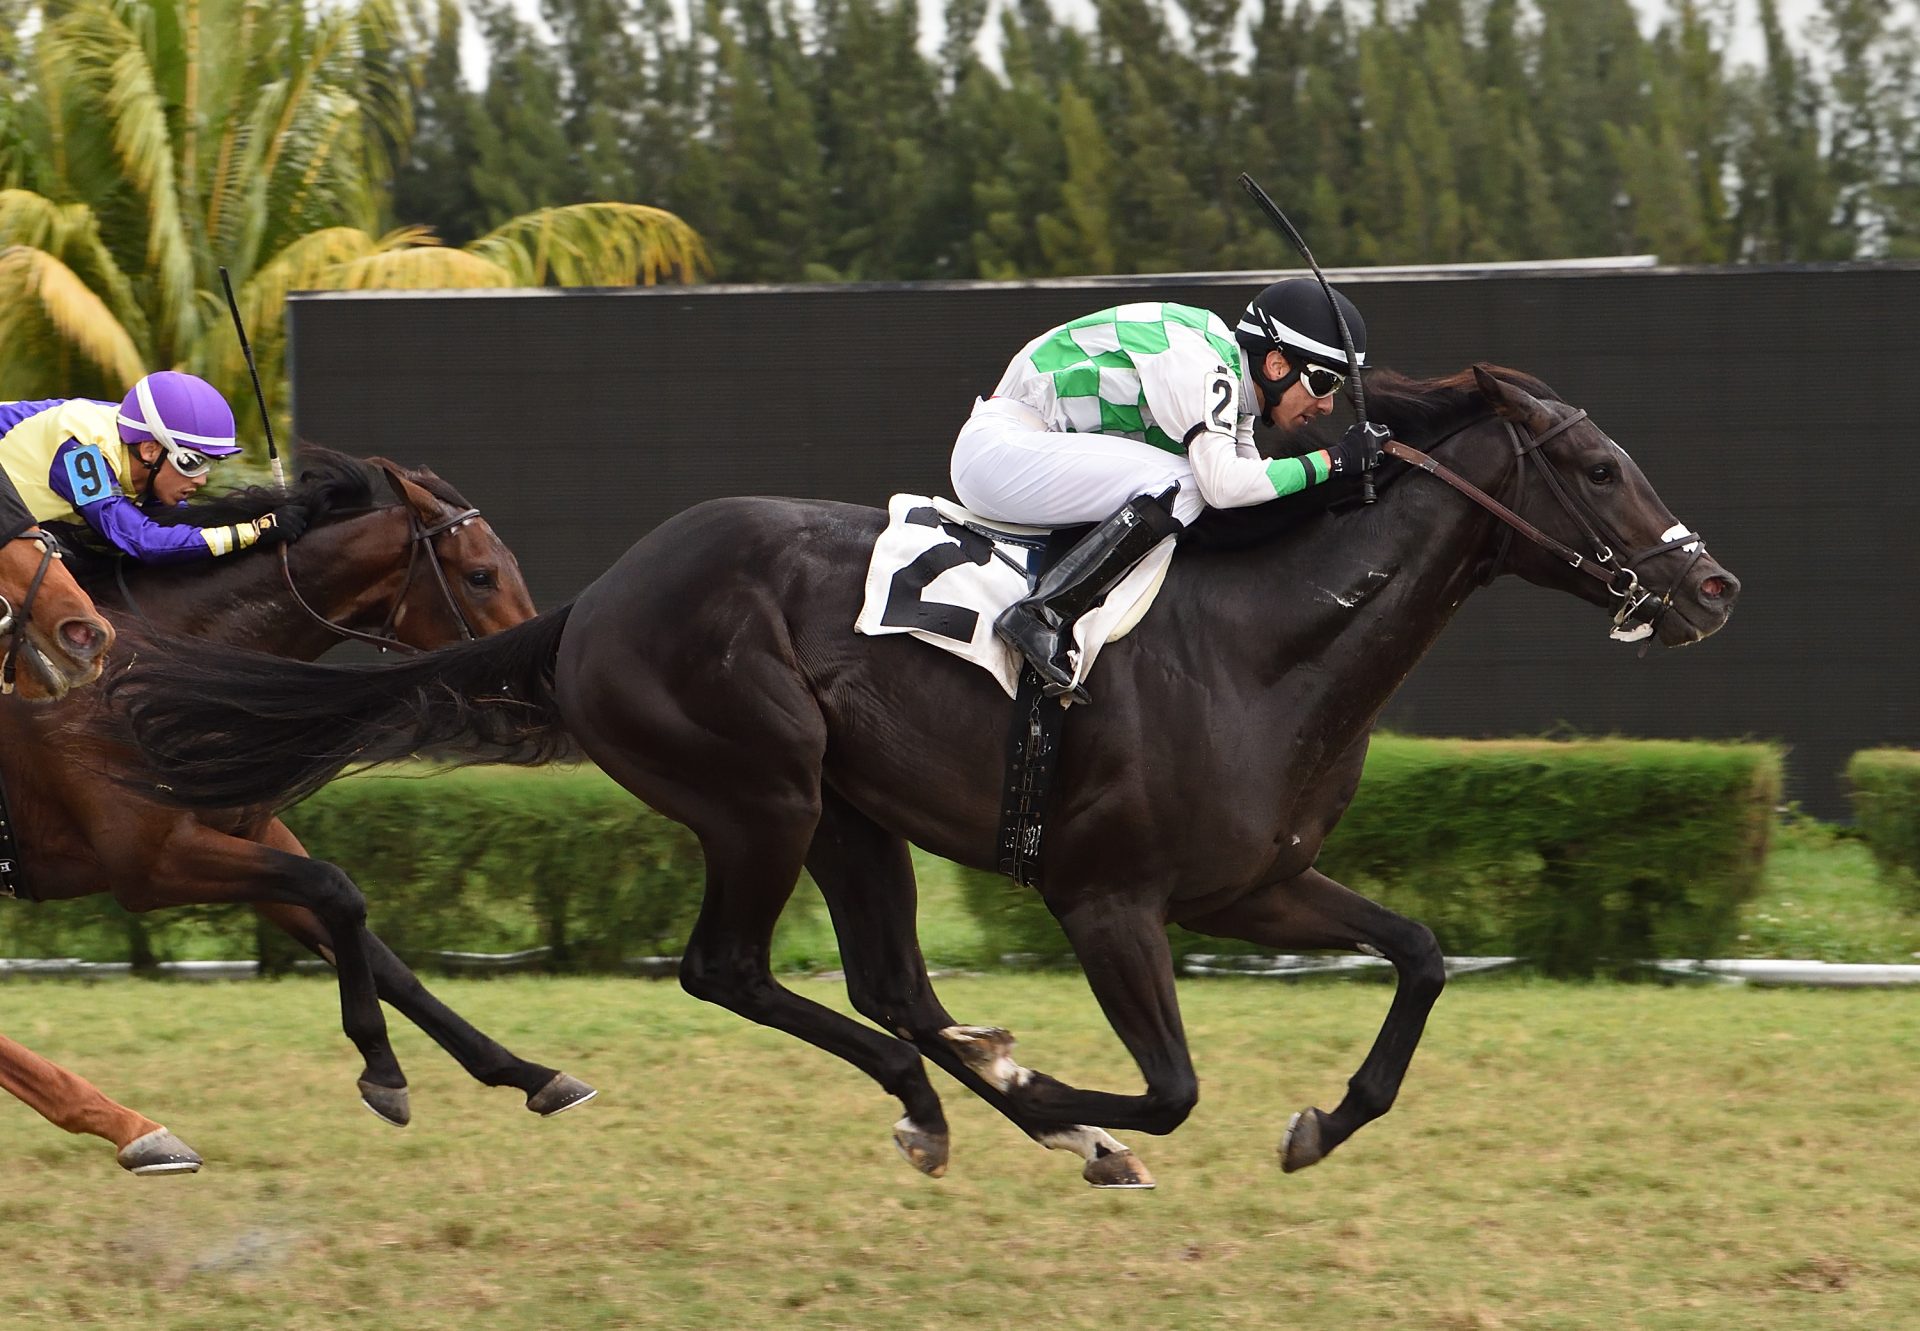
200 866
865 873
1311 912
71 1102
548 1091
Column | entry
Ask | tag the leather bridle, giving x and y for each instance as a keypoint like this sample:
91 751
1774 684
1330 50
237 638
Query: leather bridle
13 623
419 543
1641 608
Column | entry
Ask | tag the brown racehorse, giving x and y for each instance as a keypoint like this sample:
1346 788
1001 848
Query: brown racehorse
393 556
713 672
61 641
52 638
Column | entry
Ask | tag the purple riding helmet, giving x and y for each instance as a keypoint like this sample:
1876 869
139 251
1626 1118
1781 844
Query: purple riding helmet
182 413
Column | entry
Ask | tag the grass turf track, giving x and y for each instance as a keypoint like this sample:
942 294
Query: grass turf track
1563 1156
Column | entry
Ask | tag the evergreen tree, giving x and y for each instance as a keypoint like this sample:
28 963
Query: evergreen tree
434 186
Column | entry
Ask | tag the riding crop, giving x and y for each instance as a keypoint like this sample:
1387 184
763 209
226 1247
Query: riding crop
246 350
1272 210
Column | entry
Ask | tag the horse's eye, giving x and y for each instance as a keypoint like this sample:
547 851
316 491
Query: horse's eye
480 577
1600 474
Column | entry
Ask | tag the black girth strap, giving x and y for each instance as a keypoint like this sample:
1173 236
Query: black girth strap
1033 740
1033 748
12 881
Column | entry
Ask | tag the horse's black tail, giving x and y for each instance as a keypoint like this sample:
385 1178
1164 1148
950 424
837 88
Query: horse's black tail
226 728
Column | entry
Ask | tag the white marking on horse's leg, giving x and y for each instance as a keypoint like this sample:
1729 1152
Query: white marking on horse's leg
1087 1143
988 1051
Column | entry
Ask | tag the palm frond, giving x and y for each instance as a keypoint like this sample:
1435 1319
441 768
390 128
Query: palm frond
70 233
106 56
420 268
38 295
596 244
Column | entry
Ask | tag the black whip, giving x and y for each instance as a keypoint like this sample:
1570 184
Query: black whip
1358 390
246 349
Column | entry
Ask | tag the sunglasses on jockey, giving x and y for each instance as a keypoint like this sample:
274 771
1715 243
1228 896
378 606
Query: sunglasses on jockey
1319 381
189 462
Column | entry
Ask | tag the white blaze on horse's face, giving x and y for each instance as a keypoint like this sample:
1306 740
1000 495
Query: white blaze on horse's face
1677 530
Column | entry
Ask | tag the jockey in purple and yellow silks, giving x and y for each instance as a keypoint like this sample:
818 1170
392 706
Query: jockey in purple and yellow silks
78 458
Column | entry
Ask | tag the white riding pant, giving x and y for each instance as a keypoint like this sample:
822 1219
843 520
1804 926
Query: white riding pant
1007 465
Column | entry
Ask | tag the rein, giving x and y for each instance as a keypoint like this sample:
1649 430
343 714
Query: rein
421 539
1620 576
14 622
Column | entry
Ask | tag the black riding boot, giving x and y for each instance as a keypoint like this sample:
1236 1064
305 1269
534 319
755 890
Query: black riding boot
1041 625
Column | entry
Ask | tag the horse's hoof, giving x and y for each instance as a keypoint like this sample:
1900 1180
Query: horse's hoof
1117 1169
926 1151
560 1094
159 1152
388 1103
1301 1145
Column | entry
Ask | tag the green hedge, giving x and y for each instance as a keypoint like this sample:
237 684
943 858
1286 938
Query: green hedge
1572 854
1886 808
474 859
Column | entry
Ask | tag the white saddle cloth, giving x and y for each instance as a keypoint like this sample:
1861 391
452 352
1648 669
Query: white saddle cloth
933 577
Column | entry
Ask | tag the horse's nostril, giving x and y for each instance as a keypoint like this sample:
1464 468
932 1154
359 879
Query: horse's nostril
83 638
1714 587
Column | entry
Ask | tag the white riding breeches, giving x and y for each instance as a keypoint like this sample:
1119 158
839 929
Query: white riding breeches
1007 465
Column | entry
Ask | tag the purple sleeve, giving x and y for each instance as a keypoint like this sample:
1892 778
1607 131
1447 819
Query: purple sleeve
120 520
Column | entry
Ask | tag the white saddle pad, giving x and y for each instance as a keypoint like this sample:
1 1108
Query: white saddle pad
945 583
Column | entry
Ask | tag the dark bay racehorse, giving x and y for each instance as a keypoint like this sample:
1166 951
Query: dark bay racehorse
390 551
713 672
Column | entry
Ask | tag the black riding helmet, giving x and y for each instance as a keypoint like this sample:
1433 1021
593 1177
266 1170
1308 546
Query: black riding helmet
1294 317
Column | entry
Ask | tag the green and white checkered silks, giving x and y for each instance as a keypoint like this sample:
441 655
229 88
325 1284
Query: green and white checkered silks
1140 371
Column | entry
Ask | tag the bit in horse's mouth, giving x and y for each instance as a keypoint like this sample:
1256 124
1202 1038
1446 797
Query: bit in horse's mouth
54 680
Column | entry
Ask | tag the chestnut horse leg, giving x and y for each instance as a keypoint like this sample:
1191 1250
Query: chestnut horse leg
866 875
198 866
71 1102
1311 912
548 1091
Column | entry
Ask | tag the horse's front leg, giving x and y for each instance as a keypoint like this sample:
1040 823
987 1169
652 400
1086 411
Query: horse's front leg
72 1102
491 1064
194 865
1313 912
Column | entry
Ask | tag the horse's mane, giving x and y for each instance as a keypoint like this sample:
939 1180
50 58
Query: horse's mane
1418 411
330 485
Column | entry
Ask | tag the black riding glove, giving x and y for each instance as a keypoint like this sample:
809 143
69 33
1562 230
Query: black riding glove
286 523
1358 449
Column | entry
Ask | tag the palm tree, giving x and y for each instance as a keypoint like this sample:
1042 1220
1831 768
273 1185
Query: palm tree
150 142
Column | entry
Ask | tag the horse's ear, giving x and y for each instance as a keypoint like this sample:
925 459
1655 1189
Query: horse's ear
1511 401
413 496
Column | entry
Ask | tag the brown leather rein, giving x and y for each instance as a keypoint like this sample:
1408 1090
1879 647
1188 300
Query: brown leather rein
1620 576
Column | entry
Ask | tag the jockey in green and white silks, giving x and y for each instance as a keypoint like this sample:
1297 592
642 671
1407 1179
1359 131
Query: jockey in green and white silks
1139 418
